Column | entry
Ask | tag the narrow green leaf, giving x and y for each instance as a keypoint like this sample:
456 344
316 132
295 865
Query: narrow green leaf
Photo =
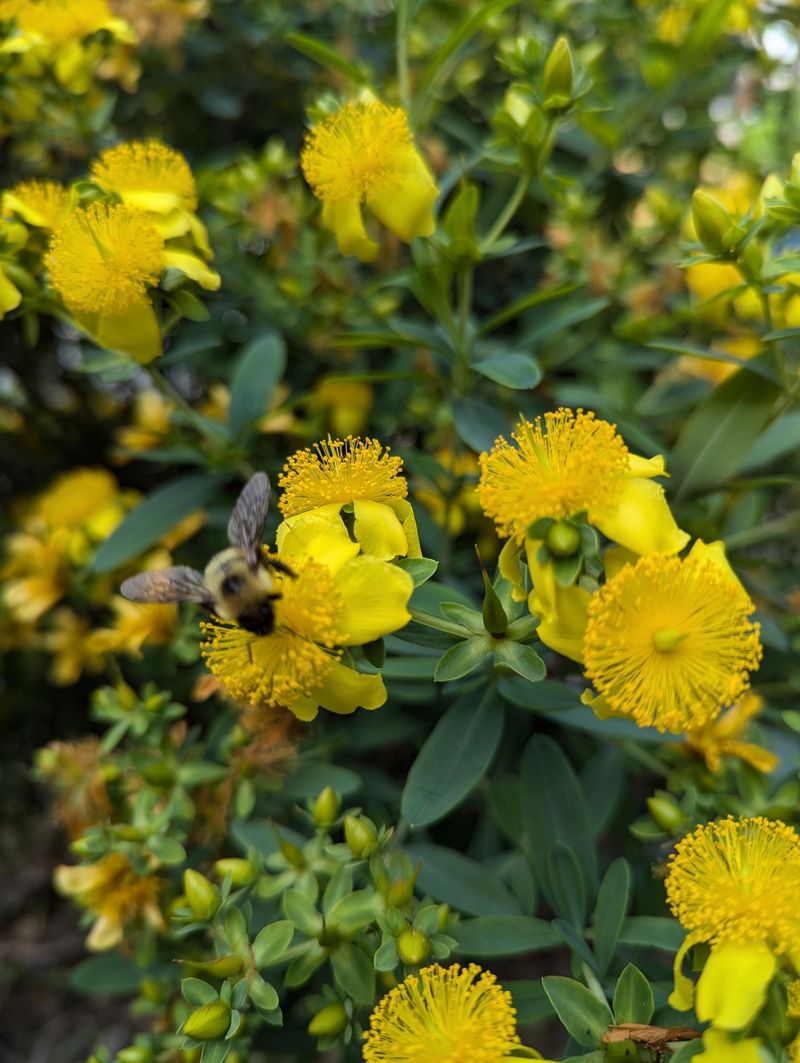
329 58
505 935
612 906
197 992
567 887
526 302
463 658
419 568
633 997
780 438
354 972
154 517
452 878
682 347
455 757
583 1016
530 1000
652 931
106 974
301 911
522 659
511 369
258 371
551 322
356 909
271 942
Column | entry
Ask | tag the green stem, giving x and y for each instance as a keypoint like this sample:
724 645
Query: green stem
465 282
179 402
401 53
508 211
439 623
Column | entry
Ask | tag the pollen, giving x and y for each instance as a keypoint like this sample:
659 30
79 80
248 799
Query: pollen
357 151
289 663
145 166
42 203
563 463
449 1014
669 642
738 880
340 470
102 259
57 21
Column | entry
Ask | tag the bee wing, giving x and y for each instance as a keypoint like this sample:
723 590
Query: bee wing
246 525
177 584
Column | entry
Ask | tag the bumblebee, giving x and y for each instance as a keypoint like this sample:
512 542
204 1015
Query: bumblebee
237 583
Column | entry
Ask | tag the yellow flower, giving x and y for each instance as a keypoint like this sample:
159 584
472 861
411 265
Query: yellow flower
732 987
135 625
75 772
361 476
147 175
570 462
721 738
34 574
101 261
793 999
452 499
346 402
112 891
669 641
448 1014
719 1048
365 154
149 426
44 204
67 640
336 599
76 497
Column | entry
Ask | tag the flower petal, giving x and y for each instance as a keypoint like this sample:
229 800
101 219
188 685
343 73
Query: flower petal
646 467
405 515
375 597
10 295
345 220
733 986
405 202
344 690
682 996
319 534
378 531
105 934
136 332
641 520
193 267
719 1048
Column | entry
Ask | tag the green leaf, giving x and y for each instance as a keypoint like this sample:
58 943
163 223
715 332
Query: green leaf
566 883
311 779
301 911
463 658
551 321
505 935
154 517
386 958
478 424
718 435
652 931
584 1017
108 974
454 758
263 995
522 659
781 437
511 369
258 371
554 809
196 991
681 347
329 58
303 966
633 997
419 568
354 972
271 942
526 302
356 909
215 1052
609 915
545 697
530 1000
452 878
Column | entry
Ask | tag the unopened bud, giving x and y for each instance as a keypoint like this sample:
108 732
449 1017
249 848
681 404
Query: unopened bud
558 77
665 811
326 807
208 1022
711 221
413 947
241 871
329 1022
221 967
360 835
152 990
444 915
202 895
401 892
135 1054
562 539
293 853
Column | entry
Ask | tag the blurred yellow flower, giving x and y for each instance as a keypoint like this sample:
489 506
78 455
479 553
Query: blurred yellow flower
135 625
448 1014
148 428
571 462
744 345
346 404
722 737
147 175
718 1047
337 598
365 154
113 892
75 498
34 574
44 204
452 500
352 480
68 642
75 772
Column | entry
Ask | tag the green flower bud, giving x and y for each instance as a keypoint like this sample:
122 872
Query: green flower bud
135 1054
208 1022
329 1022
401 892
711 221
292 853
242 871
558 77
326 807
360 835
444 915
413 947
665 811
563 539
152 990
202 895
221 967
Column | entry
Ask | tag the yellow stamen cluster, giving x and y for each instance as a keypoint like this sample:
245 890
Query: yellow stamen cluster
145 165
42 203
738 880
447 1014
669 642
102 259
291 662
57 21
357 151
564 463
340 470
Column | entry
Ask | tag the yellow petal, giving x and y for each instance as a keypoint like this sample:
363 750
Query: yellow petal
733 986
510 569
10 295
682 996
641 520
151 199
174 223
375 597
345 220
72 881
343 690
600 706
378 531
105 934
563 611
719 1048
305 709
199 234
193 267
759 758
405 203
616 558
319 534
713 552
646 467
136 332
405 514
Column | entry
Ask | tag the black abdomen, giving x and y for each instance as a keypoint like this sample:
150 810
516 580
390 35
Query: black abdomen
260 620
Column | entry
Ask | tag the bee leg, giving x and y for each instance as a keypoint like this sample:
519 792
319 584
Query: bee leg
279 566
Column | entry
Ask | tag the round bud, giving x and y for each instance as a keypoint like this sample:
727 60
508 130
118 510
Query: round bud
208 1022
360 835
665 812
326 807
329 1022
562 539
413 947
202 895
242 871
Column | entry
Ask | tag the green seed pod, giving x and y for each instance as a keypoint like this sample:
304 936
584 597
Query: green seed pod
329 1022
202 895
208 1022
242 871
360 835
665 811
401 892
326 807
135 1054
562 539
413 947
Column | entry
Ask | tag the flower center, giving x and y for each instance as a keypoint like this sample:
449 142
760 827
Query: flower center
340 470
667 639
